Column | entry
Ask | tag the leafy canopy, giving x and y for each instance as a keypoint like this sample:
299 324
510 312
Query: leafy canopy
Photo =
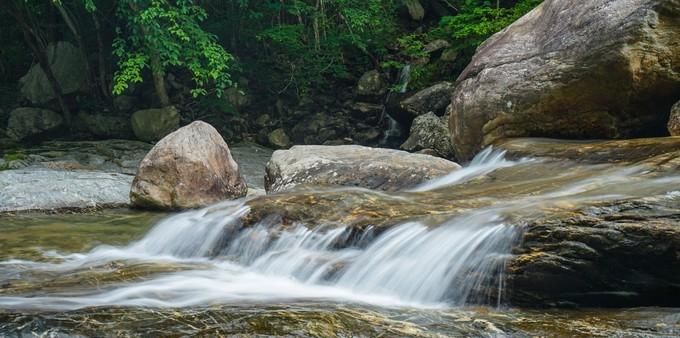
171 31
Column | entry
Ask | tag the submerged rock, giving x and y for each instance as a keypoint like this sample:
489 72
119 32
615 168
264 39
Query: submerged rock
351 165
190 168
151 125
429 132
674 120
602 69
25 123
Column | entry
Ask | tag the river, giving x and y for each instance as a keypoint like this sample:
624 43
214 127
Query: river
428 262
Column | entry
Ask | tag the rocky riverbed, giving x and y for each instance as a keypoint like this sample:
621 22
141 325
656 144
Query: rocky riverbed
91 175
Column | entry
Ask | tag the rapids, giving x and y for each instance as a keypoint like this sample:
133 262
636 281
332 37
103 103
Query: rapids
212 258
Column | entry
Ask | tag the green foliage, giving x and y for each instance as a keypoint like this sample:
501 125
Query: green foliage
478 20
11 156
170 31
311 43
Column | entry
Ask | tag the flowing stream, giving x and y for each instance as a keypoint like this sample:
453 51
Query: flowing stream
210 263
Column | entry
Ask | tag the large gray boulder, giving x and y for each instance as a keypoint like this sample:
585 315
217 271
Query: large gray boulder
351 165
67 66
190 168
30 122
430 131
599 69
151 125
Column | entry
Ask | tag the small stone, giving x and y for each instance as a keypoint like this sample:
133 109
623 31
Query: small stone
436 45
279 139
449 55
264 121
371 84
431 99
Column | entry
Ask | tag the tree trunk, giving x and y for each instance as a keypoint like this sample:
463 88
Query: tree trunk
106 91
159 79
81 48
39 48
156 66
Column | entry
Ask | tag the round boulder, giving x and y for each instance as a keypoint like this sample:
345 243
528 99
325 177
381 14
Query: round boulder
602 69
150 125
371 84
190 168
27 122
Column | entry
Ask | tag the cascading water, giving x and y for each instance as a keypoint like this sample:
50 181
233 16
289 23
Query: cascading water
215 259
413 263
394 129
410 264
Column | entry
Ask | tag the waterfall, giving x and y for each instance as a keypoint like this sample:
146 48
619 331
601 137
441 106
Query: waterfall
455 262
404 78
410 264
394 130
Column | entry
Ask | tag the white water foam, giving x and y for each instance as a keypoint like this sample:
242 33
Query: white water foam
410 264
485 162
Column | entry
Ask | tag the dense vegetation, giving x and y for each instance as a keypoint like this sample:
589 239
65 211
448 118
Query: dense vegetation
273 49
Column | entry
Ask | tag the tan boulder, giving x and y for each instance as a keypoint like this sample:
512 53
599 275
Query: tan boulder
599 69
190 168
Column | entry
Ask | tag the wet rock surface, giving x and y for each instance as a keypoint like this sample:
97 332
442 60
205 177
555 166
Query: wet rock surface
354 166
44 189
327 320
604 69
598 232
190 168
625 253
604 151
